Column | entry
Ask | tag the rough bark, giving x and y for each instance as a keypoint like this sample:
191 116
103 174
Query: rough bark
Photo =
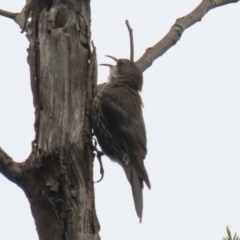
57 177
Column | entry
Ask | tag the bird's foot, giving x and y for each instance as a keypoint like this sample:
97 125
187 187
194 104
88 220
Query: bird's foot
99 155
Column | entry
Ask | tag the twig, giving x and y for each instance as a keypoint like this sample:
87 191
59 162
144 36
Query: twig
27 14
131 40
176 31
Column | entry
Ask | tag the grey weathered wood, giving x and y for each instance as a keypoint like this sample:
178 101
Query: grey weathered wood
176 31
57 178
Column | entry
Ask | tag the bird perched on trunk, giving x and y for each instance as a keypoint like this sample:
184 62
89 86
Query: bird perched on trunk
119 126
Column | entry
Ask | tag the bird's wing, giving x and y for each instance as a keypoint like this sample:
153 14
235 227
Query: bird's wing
122 110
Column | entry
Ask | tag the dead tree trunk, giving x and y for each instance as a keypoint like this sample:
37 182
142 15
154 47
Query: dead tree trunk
57 177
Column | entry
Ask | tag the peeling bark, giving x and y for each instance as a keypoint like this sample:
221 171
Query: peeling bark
57 178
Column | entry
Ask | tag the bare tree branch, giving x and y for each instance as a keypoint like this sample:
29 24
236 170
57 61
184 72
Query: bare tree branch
8 14
19 18
131 40
175 33
10 169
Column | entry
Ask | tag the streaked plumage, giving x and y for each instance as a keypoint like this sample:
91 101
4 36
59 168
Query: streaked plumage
119 126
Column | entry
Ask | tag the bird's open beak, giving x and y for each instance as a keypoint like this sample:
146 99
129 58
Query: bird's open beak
115 59
105 64
109 65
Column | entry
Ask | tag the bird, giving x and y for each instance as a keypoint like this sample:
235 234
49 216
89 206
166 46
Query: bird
118 124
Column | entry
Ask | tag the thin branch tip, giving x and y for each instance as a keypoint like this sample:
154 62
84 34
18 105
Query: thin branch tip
130 30
93 46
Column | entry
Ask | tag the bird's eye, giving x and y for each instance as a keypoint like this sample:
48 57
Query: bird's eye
120 63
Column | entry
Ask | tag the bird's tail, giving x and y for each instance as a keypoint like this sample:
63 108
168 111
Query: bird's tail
136 174
137 186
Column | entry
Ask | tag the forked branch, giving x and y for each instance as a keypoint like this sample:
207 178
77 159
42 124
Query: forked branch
176 31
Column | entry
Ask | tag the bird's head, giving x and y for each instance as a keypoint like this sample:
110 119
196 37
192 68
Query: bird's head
125 71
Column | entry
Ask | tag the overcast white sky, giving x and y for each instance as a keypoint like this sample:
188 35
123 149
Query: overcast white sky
191 107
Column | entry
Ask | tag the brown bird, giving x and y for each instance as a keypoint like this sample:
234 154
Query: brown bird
119 126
